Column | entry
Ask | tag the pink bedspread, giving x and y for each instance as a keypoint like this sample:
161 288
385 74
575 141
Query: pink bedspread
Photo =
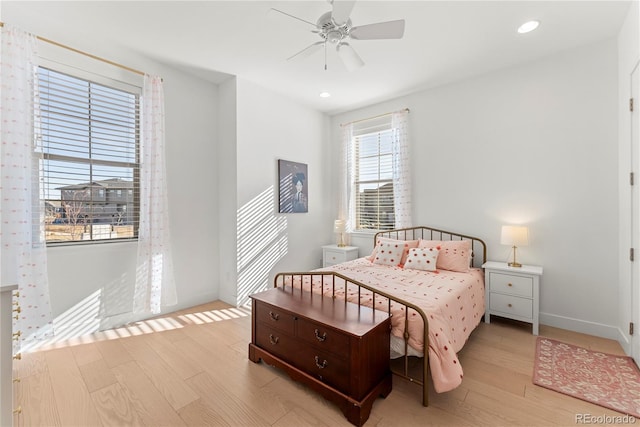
453 303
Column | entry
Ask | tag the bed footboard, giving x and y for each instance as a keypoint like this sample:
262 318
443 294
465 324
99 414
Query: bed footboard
339 286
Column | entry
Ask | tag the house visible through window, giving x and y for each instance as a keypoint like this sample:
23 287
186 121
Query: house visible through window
372 185
89 137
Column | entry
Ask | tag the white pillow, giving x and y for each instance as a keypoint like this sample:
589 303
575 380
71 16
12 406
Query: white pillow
408 244
422 259
389 253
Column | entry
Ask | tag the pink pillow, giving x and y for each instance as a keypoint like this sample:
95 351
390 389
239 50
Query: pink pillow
407 244
422 259
455 255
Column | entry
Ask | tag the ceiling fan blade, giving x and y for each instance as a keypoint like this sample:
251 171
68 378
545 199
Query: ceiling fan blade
349 57
381 30
270 12
307 51
341 11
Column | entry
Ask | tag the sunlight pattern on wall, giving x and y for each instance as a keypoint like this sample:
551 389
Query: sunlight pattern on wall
261 243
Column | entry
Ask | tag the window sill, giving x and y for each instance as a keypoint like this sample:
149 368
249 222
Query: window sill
364 233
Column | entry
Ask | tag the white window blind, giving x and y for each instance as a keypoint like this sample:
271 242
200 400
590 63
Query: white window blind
373 174
89 137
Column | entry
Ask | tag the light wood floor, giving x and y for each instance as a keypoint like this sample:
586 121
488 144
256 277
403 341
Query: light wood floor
191 368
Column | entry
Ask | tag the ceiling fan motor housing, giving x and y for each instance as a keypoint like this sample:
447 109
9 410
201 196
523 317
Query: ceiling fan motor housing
330 31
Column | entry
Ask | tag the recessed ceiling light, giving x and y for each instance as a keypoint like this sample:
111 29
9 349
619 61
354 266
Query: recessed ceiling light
324 94
528 26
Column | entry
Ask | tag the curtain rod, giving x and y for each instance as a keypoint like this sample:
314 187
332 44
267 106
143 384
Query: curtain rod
115 64
375 117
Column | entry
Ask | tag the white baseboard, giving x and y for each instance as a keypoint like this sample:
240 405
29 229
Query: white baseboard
582 326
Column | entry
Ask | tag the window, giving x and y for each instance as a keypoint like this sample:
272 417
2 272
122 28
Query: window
372 186
89 137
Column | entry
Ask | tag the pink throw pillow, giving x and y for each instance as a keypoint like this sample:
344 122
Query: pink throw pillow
455 255
422 259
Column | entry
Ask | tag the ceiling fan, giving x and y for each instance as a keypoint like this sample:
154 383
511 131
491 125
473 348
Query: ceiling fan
335 28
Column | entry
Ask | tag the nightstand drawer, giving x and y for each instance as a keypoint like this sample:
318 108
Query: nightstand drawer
512 285
511 305
334 257
334 254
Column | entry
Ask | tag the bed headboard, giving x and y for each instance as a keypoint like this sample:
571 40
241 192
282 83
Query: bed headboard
479 248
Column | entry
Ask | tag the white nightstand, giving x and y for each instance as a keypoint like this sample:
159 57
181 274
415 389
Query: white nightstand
334 254
512 292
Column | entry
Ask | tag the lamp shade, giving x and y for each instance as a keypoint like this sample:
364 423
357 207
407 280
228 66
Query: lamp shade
514 235
339 226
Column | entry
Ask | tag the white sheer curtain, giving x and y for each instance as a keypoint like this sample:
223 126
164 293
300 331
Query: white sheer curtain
401 170
346 203
155 285
24 256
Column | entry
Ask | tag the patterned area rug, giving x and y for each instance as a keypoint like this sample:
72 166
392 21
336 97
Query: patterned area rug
604 379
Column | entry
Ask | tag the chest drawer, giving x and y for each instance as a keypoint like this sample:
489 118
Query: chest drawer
275 317
326 367
510 284
324 338
512 305
276 342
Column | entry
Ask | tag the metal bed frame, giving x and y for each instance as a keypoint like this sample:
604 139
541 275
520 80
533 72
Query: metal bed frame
479 257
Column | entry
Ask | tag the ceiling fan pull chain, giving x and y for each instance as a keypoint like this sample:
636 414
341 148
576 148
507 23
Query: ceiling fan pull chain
325 55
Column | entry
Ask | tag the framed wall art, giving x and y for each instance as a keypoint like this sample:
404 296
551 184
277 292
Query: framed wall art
293 187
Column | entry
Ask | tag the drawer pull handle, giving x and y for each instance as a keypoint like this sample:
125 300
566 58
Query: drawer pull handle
509 284
321 365
509 305
320 338
274 316
273 340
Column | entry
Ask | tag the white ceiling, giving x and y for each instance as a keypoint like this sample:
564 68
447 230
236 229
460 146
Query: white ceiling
444 41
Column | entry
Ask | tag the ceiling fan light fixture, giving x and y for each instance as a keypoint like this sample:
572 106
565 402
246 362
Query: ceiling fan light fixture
529 26
334 36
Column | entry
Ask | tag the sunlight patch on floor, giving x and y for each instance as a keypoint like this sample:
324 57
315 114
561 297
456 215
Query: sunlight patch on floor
170 322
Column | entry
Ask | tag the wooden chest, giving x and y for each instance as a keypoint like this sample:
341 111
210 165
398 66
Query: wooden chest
336 348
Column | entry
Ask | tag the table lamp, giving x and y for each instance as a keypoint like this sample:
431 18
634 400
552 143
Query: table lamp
339 227
514 236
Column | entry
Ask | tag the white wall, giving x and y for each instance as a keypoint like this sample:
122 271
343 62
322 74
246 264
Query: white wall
227 182
533 144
